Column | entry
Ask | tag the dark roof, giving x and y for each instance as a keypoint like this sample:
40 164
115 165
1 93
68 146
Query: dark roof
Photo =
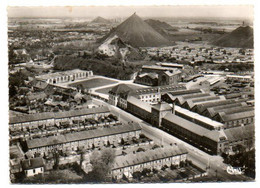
184 98
50 115
240 115
185 92
13 113
83 135
151 75
215 135
227 106
162 106
147 156
41 85
120 88
163 89
239 133
206 98
168 97
236 109
204 106
32 163
34 96
87 97
193 102
196 95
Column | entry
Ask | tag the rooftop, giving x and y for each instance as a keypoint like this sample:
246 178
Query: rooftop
214 110
34 96
171 72
83 135
188 125
165 64
59 74
152 75
32 163
204 106
239 76
156 67
139 103
120 88
185 92
207 98
198 117
57 115
238 133
162 106
168 88
41 85
147 156
196 95
215 135
240 115
236 109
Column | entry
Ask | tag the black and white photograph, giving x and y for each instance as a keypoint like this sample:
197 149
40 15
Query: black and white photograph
131 94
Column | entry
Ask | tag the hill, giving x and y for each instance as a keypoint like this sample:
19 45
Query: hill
115 47
137 33
161 27
100 20
242 37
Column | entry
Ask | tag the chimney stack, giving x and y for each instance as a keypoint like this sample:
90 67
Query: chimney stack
173 108
159 92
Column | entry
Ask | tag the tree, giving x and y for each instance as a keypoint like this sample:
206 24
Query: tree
122 141
81 158
142 136
146 171
101 164
15 82
137 175
108 143
140 149
155 146
56 159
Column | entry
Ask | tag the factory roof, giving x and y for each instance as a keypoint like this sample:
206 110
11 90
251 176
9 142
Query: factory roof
186 124
199 117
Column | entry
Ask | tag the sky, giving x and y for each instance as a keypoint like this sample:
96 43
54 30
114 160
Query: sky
227 11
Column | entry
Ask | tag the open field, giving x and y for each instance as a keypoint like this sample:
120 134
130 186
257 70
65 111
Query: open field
92 83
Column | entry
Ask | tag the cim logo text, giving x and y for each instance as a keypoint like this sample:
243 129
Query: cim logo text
235 170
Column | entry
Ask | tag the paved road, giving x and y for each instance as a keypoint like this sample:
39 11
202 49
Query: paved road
198 157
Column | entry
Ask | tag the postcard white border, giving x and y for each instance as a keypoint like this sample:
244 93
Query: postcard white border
4 75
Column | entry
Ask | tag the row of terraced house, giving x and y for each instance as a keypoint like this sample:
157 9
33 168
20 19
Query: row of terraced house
51 118
125 166
84 139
